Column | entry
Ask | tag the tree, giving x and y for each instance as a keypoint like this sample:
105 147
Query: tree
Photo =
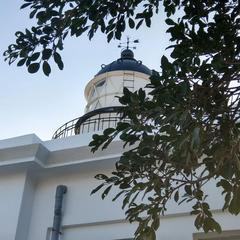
187 131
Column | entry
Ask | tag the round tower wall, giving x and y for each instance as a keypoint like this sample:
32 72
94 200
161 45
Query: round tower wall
102 90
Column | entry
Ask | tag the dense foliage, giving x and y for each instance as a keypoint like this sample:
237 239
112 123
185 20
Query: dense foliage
187 131
57 19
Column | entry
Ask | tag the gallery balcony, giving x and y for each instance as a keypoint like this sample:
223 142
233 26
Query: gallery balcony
91 122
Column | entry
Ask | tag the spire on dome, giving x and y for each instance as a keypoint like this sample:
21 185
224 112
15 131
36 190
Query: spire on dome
126 45
127 54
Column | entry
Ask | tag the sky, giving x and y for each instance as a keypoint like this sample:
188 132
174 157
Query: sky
34 103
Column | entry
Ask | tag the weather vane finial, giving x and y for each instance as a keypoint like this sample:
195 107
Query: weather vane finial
127 43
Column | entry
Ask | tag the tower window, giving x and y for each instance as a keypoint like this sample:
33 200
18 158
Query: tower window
101 83
97 88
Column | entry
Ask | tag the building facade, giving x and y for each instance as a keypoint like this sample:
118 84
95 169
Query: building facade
32 169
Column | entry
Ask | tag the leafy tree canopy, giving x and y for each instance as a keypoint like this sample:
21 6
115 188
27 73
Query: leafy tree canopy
186 132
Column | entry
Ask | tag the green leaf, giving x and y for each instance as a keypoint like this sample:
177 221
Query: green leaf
131 23
164 62
46 68
195 212
225 184
156 222
118 195
169 21
110 36
25 5
32 14
188 189
108 131
97 188
209 224
33 68
217 227
148 21
106 191
124 185
58 60
198 221
142 94
227 200
46 53
122 126
118 35
198 194
234 206
48 30
21 62
125 201
139 24
149 233
35 56
101 177
205 208
176 196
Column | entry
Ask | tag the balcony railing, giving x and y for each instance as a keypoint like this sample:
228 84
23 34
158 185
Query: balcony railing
93 121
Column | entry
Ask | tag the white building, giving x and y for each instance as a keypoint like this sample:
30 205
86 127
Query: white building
32 169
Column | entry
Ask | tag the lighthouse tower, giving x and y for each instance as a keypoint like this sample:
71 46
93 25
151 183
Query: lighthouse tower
101 93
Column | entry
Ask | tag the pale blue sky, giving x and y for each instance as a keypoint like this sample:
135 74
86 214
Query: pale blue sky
38 104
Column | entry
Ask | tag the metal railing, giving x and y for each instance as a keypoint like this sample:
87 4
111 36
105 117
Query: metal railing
93 121
66 130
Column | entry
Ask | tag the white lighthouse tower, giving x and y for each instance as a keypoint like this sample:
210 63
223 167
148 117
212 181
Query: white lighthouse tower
101 94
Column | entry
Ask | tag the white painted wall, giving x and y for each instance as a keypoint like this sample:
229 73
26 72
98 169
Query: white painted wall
11 189
79 206
172 228
28 194
105 96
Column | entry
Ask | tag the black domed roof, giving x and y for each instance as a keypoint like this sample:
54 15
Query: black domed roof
126 62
